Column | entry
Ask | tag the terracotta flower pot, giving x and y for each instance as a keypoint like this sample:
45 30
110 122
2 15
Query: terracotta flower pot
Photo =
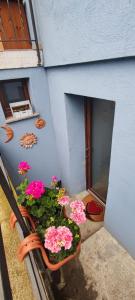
96 216
33 242
56 266
24 213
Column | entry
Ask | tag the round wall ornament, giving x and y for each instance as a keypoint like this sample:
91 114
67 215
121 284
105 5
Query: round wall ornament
40 123
28 140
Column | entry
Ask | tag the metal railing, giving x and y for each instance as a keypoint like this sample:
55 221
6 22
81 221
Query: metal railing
35 257
17 26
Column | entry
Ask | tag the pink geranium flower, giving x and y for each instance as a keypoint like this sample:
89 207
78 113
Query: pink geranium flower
77 205
63 200
78 217
54 179
56 238
78 214
36 189
23 167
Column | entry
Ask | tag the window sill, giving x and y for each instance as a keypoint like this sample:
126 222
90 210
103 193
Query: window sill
11 120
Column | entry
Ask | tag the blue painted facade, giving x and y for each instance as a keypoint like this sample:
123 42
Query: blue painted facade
112 80
43 156
75 31
74 36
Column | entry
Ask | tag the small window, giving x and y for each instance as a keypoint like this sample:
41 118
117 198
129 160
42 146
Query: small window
14 91
15 98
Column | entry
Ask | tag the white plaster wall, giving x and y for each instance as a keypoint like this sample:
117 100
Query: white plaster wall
112 80
81 31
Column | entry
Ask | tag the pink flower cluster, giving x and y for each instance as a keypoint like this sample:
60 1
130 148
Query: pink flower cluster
77 205
78 214
35 189
23 167
63 200
56 238
54 179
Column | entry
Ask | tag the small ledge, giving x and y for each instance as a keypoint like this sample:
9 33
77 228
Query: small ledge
14 59
11 120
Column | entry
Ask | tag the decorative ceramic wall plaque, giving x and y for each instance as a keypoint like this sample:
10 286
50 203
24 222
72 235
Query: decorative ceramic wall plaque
28 140
9 133
40 123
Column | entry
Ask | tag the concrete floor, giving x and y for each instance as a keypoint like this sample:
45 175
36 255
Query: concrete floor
103 271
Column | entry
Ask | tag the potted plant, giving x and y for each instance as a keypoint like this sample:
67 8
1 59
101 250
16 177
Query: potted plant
59 235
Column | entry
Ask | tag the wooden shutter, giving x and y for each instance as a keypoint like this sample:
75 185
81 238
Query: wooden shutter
13 25
5 105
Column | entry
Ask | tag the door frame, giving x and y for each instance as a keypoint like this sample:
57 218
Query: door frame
88 147
88 141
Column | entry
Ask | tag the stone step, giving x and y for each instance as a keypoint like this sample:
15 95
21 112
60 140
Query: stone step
90 227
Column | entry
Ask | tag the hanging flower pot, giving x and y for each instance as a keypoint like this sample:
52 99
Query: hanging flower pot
56 235
24 213
33 241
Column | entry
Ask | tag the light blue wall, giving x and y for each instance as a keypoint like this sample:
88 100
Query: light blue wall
75 143
43 156
81 31
112 80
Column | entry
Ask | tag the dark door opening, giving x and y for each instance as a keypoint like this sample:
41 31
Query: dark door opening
99 117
